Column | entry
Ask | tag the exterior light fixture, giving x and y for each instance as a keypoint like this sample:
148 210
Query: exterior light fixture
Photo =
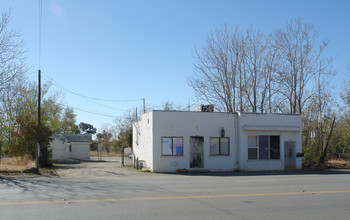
222 132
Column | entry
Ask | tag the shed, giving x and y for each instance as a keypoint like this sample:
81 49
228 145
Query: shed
71 146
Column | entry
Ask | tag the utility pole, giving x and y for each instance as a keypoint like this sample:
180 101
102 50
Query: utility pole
144 105
136 118
39 97
39 119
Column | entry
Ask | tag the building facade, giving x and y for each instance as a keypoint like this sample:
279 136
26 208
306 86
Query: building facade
66 147
168 141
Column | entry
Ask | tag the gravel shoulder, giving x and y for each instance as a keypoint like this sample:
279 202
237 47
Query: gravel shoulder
108 167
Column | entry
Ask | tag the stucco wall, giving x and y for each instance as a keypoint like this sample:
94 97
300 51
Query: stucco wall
288 127
187 124
143 140
154 125
80 150
59 151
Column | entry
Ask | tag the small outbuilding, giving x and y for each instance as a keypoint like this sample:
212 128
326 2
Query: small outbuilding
169 141
66 147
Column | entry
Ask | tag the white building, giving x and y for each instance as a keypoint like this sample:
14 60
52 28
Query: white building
71 146
167 141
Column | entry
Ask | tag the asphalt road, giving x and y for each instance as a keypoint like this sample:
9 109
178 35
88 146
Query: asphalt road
271 195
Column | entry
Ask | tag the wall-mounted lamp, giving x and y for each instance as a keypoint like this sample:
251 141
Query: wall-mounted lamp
222 132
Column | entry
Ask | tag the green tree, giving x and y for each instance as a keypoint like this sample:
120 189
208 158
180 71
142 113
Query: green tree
87 128
123 126
28 133
68 122
104 139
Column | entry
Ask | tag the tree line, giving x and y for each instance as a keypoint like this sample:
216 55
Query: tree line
19 127
286 71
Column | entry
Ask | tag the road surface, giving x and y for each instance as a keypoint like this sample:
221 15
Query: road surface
135 195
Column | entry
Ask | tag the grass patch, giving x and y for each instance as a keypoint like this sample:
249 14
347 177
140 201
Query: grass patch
16 164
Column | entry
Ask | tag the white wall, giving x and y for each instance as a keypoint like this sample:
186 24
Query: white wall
288 127
80 150
187 124
143 140
157 124
60 150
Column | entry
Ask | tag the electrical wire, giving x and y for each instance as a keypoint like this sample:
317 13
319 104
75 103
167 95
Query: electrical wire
61 87
84 96
87 111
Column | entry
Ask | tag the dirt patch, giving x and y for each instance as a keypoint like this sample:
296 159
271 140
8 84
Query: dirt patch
108 167
334 164
16 164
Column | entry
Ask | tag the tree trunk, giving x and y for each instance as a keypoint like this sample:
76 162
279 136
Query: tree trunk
324 152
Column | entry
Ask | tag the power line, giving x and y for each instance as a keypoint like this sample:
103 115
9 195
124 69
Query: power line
87 111
106 106
84 96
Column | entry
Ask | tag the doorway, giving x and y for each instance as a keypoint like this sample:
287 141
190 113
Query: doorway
289 155
196 152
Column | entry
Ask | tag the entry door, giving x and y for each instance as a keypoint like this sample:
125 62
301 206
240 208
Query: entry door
289 154
196 146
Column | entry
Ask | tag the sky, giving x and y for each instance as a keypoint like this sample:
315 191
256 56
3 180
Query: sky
124 51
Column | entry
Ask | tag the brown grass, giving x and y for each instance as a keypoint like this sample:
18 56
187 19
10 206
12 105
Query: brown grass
16 164
338 163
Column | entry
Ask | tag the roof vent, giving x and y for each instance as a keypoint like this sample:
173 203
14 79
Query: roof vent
204 108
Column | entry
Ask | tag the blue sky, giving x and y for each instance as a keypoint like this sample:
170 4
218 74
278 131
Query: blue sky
127 50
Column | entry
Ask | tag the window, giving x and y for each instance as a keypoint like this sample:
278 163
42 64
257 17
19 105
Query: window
263 147
219 146
252 148
70 148
172 146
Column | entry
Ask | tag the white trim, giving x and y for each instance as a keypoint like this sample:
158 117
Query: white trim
270 128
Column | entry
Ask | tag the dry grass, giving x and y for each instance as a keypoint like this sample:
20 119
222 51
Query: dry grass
16 164
338 163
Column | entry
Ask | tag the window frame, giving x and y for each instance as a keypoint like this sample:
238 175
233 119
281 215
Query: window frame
220 150
253 147
258 147
172 146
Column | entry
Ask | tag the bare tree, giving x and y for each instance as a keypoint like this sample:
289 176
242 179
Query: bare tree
235 71
215 73
299 61
257 66
11 53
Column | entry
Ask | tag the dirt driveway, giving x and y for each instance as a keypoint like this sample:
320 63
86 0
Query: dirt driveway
108 167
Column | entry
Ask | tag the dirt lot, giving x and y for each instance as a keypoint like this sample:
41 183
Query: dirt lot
107 167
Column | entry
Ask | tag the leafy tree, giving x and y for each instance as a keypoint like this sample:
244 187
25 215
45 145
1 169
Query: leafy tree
104 139
87 128
69 122
124 139
26 136
123 126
